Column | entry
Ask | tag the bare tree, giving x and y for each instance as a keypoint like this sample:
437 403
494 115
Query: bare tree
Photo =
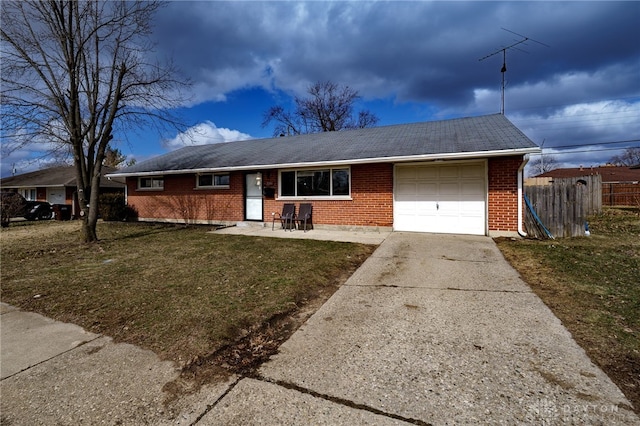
75 72
545 163
630 157
328 108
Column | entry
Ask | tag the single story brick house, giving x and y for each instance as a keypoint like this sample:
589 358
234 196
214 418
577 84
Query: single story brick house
453 176
57 185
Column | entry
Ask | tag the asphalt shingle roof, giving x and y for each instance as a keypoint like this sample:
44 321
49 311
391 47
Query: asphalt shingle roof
55 177
490 133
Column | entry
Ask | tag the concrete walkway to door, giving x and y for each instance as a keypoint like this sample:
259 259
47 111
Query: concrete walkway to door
432 329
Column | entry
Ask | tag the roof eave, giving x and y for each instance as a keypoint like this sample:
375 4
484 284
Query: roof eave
398 159
31 185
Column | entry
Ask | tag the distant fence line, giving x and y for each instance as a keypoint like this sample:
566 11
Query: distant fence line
563 206
613 193
621 194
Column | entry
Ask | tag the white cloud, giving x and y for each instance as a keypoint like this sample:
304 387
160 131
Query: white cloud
585 134
25 153
204 133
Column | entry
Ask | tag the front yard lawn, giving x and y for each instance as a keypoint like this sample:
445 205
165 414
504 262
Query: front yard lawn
593 285
182 292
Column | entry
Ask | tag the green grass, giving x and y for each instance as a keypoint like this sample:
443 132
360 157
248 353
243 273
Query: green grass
593 285
181 292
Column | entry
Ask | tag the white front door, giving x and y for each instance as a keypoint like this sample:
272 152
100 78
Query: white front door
253 196
56 196
442 198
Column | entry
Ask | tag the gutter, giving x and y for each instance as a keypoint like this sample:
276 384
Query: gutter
525 160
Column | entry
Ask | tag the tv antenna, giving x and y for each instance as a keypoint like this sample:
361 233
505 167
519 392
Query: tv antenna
503 70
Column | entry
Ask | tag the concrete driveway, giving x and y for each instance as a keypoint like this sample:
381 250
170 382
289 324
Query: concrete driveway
432 329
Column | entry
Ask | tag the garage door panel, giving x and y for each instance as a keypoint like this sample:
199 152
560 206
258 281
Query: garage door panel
406 191
472 208
428 173
449 172
450 208
473 191
449 191
472 172
427 190
426 208
441 198
406 173
56 195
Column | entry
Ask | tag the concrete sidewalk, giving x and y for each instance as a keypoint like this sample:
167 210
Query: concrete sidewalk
432 329
57 373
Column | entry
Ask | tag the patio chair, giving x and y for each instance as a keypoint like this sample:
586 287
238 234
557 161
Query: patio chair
304 217
286 217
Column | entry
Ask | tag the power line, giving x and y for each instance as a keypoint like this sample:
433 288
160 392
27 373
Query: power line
568 152
596 144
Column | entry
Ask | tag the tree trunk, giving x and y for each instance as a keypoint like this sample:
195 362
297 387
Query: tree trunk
88 198
88 233
89 221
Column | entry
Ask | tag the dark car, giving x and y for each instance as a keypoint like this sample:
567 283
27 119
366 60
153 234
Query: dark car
12 204
39 210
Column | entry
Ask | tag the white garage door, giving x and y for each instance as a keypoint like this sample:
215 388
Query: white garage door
56 195
443 198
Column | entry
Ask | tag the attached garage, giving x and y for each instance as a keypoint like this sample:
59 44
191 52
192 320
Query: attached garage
441 198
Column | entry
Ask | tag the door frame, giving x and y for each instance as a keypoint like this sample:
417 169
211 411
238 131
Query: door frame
258 182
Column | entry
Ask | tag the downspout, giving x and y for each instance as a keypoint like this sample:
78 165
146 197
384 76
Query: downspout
525 160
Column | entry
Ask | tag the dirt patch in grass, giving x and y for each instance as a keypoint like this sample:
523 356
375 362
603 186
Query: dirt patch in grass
215 304
593 285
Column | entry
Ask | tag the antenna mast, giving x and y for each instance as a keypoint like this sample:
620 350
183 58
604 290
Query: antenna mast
503 70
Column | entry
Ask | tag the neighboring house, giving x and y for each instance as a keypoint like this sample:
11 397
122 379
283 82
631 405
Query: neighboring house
620 184
454 176
57 185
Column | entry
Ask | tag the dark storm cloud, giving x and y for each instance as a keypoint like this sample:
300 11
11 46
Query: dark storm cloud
581 90
415 51
582 59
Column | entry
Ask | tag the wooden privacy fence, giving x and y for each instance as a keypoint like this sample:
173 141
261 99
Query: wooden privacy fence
562 207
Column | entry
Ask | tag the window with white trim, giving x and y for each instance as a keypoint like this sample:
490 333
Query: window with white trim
315 183
29 194
212 180
151 183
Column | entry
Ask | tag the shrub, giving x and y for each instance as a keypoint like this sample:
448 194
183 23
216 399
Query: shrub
113 208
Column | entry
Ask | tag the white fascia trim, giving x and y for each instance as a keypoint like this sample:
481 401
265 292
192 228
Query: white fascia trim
400 159
36 186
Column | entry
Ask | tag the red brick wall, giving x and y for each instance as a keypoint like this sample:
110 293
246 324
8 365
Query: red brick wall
371 201
181 201
503 193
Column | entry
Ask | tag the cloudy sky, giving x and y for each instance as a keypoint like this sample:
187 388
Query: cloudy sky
573 87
